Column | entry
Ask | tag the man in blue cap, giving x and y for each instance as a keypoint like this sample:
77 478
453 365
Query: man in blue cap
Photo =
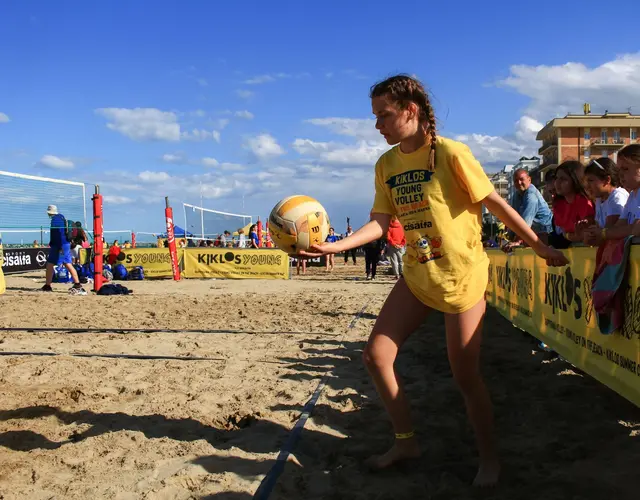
60 251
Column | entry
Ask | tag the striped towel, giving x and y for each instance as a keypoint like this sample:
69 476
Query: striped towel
609 284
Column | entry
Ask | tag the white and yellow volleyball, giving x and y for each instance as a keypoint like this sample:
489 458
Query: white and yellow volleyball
297 222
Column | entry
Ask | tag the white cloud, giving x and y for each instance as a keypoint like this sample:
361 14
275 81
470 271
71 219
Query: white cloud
263 146
199 113
231 167
210 162
173 158
360 128
244 114
4 118
202 82
221 123
269 78
360 153
51 161
256 80
117 200
153 177
142 124
200 135
557 90
151 124
245 94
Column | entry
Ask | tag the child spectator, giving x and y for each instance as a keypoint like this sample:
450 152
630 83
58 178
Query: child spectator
572 208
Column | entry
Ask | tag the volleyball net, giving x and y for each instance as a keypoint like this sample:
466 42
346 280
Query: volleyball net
23 206
205 224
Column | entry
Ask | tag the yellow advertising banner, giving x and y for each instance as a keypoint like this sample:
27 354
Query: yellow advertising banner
155 261
555 305
3 286
235 263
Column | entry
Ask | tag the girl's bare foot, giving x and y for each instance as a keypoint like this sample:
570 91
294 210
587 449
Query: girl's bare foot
488 474
402 449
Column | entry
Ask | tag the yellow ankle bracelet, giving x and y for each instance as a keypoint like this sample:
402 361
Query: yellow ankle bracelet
405 435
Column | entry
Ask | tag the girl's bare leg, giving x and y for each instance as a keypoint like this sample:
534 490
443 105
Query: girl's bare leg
464 337
400 316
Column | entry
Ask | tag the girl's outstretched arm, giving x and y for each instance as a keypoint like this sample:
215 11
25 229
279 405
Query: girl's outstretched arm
498 207
372 230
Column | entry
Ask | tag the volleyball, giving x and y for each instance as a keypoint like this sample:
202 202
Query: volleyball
297 222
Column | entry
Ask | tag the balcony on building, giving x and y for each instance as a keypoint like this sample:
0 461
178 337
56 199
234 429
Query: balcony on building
548 146
610 143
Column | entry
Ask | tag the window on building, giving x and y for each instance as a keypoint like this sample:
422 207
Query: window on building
616 135
634 134
587 153
587 134
603 135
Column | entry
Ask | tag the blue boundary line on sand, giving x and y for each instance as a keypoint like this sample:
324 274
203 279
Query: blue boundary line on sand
270 480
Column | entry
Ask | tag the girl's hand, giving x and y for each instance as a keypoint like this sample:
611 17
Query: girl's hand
553 256
593 236
319 250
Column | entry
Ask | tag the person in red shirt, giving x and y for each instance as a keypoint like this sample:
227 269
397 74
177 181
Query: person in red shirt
395 246
572 208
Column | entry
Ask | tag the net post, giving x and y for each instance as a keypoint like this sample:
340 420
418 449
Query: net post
259 231
168 214
133 239
98 249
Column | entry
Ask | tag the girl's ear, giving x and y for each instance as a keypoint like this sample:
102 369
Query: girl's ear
414 112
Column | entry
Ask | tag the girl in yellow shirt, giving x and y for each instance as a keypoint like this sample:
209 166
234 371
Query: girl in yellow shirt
436 188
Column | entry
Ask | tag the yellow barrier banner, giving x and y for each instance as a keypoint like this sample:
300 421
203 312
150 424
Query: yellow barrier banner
235 263
155 261
555 305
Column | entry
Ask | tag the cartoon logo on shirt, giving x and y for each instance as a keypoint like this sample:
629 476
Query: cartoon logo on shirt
427 249
408 190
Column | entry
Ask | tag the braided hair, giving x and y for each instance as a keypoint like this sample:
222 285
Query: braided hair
404 89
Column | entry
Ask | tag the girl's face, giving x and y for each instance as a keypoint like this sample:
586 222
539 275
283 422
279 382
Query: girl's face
563 183
331 232
395 124
629 173
597 187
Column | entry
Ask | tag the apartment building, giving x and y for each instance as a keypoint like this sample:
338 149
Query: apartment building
501 181
583 138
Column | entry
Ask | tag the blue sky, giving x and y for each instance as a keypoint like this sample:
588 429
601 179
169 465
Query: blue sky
259 100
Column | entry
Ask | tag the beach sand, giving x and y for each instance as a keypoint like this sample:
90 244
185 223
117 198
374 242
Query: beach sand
95 427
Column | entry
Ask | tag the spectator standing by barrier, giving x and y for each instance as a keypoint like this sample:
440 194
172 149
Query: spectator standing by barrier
60 249
530 204
603 184
396 243
371 256
331 238
629 222
242 238
351 251
253 237
572 208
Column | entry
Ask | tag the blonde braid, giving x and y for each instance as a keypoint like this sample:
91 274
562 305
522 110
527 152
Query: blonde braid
431 123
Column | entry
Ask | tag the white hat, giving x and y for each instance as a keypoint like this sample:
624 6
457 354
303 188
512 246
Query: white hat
52 210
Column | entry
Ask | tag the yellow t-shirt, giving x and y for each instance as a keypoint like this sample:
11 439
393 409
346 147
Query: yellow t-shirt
445 265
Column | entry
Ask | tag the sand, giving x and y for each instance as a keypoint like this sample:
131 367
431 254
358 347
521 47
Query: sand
92 427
